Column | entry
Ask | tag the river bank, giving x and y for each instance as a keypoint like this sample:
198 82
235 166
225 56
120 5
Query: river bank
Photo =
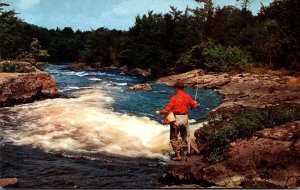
269 159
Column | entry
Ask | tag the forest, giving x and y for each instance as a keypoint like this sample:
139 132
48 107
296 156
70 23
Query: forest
212 38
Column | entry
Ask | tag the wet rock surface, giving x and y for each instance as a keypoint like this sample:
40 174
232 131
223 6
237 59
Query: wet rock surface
25 87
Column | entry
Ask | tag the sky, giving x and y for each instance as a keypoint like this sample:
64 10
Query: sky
93 14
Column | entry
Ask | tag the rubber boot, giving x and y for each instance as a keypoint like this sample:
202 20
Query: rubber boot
177 156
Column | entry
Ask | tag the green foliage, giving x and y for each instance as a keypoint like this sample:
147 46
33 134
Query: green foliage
16 67
37 51
193 56
185 58
219 58
7 67
214 57
102 46
35 46
10 35
219 135
282 31
164 41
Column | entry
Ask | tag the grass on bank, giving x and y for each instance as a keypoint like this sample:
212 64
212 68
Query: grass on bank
219 134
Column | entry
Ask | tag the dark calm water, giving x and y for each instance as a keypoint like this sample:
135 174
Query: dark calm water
102 136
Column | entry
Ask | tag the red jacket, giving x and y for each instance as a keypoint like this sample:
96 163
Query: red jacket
179 103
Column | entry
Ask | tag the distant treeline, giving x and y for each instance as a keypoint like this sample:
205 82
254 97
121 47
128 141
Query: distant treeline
212 38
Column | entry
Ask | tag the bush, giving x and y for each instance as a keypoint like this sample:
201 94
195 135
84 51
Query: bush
219 58
243 126
214 57
16 67
194 55
185 58
26 57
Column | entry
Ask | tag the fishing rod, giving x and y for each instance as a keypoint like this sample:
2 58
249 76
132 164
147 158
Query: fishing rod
196 85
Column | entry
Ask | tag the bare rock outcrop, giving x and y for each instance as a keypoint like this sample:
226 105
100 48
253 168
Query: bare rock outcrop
258 91
270 159
141 87
198 78
25 87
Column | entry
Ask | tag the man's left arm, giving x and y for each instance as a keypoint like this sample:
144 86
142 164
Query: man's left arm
193 104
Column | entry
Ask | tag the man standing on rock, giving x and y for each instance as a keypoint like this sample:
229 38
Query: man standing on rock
179 104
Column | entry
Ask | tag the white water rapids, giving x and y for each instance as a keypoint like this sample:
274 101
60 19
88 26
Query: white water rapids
87 124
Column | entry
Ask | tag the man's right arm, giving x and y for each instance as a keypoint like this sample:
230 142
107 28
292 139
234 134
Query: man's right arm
168 107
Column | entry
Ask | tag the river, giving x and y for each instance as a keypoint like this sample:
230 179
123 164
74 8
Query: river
96 135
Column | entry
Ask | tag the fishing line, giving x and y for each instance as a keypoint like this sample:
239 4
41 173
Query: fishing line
196 85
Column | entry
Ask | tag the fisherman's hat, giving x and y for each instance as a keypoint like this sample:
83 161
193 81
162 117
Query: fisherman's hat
179 83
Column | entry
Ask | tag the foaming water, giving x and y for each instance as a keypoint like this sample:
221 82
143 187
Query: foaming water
86 124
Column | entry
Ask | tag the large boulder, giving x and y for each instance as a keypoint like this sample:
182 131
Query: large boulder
25 87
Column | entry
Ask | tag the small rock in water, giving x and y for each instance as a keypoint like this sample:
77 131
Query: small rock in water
138 87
